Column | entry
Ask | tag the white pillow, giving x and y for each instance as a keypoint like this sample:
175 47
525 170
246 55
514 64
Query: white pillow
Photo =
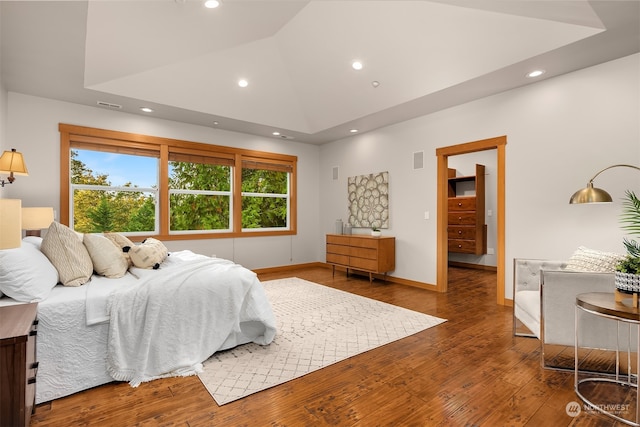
108 259
585 259
68 255
26 274
34 240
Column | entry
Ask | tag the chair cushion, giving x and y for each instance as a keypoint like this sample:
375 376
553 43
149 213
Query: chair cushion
527 310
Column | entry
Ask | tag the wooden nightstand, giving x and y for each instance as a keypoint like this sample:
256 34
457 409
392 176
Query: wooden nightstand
18 364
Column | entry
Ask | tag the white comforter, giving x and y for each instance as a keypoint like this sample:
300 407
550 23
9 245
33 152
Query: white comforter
167 321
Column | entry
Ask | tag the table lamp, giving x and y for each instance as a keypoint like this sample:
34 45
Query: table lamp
35 219
10 218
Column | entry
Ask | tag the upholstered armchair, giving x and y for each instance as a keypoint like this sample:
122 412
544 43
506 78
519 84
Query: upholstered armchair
544 296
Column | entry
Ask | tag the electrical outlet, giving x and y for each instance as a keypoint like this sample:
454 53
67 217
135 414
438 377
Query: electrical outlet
491 251
426 214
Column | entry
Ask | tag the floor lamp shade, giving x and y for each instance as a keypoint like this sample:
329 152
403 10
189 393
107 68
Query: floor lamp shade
10 227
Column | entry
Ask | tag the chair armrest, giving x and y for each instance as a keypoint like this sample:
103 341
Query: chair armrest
526 272
558 291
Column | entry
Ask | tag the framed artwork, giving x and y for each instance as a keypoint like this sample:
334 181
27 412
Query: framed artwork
369 200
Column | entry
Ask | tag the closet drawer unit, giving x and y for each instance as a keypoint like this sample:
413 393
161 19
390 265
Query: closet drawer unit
462 218
461 232
462 203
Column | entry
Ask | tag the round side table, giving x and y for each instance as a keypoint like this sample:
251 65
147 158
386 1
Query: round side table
605 305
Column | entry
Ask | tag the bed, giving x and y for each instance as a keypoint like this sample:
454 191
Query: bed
148 323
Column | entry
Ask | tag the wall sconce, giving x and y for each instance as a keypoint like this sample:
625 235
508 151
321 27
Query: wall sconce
35 219
591 194
12 162
10 229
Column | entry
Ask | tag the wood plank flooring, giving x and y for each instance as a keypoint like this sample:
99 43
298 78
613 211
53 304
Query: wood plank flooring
469 371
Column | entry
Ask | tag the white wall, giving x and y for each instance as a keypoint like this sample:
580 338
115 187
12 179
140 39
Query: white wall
33 129
560 132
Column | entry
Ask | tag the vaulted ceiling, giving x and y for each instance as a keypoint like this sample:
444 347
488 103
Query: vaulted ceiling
184 61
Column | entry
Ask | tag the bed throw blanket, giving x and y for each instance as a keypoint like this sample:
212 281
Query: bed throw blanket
176 317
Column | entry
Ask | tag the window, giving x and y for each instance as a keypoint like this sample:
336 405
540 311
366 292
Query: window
144 185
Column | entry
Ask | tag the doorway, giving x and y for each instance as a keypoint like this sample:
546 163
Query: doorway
442 257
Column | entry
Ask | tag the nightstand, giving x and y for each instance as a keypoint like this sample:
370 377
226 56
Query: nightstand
18 366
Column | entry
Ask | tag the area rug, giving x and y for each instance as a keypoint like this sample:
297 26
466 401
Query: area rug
317 326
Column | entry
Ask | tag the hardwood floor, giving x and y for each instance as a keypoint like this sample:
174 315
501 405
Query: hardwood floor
469 371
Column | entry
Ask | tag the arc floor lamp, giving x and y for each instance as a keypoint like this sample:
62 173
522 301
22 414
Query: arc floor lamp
591 194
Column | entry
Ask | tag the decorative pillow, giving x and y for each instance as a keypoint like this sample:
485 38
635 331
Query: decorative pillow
585 259
149 254
107 258
26 275
68 255
123 243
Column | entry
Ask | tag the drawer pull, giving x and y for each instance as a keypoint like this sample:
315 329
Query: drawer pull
459 204
33 333
459 218
459 246
459 231
31 380
35 365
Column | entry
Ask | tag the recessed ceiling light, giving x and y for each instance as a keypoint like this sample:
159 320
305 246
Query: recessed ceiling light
535 73
146 109
216 123
353 130
243 83
275 133
211 4
375 83
356 65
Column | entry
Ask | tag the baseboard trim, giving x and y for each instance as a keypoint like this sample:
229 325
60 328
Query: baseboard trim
391 279
473 266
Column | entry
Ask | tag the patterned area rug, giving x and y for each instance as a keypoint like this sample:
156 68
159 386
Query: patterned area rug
317 326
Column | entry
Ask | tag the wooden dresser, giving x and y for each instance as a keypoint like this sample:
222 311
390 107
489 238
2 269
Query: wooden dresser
18 364
362 253
467 231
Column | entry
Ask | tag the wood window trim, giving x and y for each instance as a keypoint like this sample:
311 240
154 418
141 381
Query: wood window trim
72 136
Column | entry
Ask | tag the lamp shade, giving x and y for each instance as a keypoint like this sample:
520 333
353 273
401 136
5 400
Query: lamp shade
10 228
13 162
36 218
590 194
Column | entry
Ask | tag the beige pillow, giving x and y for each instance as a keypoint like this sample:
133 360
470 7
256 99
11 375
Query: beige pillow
123 243
149 254
585 259
68 255
108 259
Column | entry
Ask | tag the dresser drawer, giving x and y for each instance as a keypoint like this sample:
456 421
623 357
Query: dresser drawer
462 203
338 239
365 242
338 259
366 253
363 264
461 232
462 246
462 218
337 249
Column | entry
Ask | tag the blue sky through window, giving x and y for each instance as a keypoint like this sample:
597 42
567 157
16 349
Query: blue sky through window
122 168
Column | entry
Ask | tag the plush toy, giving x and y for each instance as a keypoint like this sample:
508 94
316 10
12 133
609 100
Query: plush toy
148 254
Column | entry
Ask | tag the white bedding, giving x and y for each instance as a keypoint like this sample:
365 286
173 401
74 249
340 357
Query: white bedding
75 322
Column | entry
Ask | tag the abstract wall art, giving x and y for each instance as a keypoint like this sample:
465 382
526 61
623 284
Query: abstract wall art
369 200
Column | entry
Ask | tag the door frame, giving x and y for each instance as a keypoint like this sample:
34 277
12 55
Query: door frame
442 257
